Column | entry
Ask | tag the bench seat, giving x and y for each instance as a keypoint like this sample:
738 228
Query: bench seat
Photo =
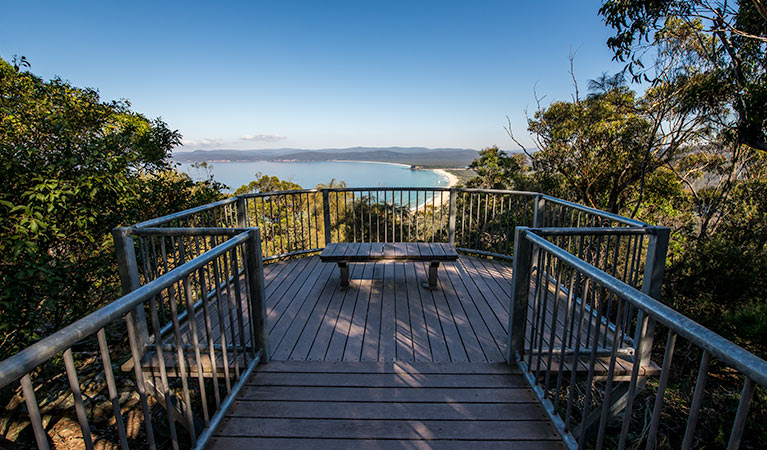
345 253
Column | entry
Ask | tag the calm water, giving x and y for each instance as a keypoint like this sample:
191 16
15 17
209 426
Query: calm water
310 174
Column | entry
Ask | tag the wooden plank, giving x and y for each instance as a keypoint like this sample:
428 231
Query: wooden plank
284 347
492 352
384 368
499 303
488 315
448 323
404 337
421 348
324 314
439 350
238 443
504 296
273 298
371 340
468 337
363 380
387 346
283 297
387 429
356 333
284 312
449 249
383 411
328 334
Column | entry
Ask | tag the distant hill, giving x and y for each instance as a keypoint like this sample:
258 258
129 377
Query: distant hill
428 157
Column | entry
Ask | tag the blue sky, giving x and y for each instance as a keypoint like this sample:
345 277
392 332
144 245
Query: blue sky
318 74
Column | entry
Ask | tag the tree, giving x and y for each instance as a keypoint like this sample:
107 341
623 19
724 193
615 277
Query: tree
72 167
265 183
497 170
729 40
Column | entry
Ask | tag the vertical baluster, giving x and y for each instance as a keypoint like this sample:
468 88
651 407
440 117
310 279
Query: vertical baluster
740 417
271 226
401 218
74 385
181 360
34 412
112 388
209 333
138 373
554 325
230 313
417 206
164 387
566 332
697 400
539 256
544 313
221 323
238 303
577 353
191 323
643 326
590 377
659 395
471 218
433 213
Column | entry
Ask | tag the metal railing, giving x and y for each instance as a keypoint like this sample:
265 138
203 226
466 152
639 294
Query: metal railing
577 362
581 326
191 369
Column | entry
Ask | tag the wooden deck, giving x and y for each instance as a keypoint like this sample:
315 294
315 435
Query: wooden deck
387 364
403 405
385 314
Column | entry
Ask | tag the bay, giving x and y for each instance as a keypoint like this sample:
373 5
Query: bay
310 174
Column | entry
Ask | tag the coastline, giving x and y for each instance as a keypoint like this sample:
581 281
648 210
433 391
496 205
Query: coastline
452 180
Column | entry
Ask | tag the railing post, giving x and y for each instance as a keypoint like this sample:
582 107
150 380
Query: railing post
520 293
654 270
539 209
242 212
256 292
451 220
326 215
129 279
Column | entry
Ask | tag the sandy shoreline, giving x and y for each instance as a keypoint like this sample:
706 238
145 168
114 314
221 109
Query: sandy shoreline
452 180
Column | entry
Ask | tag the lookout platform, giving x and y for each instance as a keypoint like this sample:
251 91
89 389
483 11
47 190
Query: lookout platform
387 363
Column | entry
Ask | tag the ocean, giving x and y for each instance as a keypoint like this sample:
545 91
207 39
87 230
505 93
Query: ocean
310 174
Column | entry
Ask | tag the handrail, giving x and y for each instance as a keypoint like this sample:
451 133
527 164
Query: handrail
594 231
184 213
725 350
26 360
588 209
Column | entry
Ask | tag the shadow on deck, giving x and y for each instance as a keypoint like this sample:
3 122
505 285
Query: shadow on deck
386 363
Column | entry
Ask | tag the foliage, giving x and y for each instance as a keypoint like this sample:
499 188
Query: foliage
265 183
72 167
730 44
495 169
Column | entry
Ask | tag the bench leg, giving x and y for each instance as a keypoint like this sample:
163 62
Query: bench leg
432 284
343 268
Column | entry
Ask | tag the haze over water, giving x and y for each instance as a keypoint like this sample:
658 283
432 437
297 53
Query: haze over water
310 174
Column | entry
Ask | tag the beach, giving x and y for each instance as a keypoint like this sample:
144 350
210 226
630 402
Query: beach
452 179
438 200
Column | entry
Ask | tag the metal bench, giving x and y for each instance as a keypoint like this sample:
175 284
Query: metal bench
345 253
